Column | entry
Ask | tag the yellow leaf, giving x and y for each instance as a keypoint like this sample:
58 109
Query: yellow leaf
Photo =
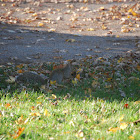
130 10
104 27
65 111
39 103
70 40
137 102
114 129
74 81
35 114
53 96
79 70
131 137
20 120
52 82
80 134
52 30
45 112
78 77
120 60
90 29
138 67
40 97
66 132
121 118
18 133
123 126
34 15
109 79
40 24
128 16
102 8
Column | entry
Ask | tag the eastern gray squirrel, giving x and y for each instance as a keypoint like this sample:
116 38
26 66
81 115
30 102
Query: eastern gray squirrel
61 74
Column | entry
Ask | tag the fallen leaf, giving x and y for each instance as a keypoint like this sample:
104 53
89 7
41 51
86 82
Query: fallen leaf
80 134
114 129
90 29
126 106
7 105
70 40
20 120
138 67
78 77
121 118
66 132
46 113
18 133
137 102
40 24
123 126
53 96
20 71
104 27
35 114
52 82
131 138
74 81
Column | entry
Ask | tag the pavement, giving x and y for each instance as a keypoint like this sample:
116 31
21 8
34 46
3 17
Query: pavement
50 32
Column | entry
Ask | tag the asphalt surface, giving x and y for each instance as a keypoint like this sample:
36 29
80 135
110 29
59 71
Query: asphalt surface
72 35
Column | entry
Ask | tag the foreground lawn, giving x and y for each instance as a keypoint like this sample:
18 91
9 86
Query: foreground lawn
103 106
39 116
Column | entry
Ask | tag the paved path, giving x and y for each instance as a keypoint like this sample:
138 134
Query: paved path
79 30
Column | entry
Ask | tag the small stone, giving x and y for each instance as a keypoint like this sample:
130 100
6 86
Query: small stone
30 78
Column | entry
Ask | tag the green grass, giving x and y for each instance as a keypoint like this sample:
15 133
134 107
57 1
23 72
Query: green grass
66 119
100 107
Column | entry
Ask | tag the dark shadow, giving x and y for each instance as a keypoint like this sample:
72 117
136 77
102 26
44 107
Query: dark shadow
18 44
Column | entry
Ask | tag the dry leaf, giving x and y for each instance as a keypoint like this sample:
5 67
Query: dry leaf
123 126
121 118
114 129
40 24
35 114
70 40
131 138
104 27
20 120
52 82
18 133
80 134
20 71
78 77
74 81
53 96
90 29
46 113
126 106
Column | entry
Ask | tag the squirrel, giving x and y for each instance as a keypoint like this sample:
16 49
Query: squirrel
61 74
